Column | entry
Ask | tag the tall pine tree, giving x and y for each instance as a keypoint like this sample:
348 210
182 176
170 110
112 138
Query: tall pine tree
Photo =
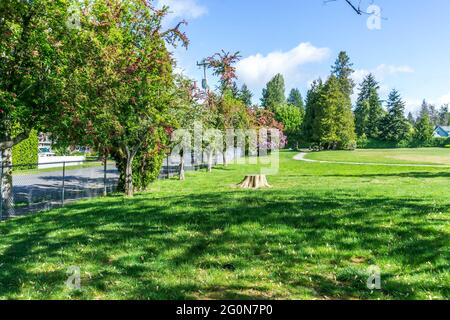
444 116
343 70
295 98
395 127
274 93
411 119
311 106
424 127
245 95
333 126
368 111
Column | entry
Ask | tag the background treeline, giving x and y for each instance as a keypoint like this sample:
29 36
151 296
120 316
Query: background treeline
327 119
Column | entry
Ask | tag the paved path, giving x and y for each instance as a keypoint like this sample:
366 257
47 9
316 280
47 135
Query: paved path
301 157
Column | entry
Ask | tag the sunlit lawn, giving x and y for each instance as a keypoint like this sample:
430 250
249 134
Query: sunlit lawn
419 156
312 235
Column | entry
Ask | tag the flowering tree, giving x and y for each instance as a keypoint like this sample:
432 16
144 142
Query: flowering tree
223 66
120 87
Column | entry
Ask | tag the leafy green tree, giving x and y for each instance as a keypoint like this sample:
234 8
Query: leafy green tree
187 111
325 125
311 111
274 93
228 110
292 118
368 111
245 95
423 128
31 60
395 127
362 118
333 126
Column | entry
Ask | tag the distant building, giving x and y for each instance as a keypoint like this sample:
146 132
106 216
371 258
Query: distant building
45 145
442 132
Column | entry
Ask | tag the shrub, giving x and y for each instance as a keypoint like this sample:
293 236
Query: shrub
26 152
377 144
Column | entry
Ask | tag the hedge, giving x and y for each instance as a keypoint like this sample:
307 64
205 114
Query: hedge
377 144
26 152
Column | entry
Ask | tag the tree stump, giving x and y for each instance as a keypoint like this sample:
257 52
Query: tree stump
254 182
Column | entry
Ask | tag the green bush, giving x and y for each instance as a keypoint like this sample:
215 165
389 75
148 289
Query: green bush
146 169
364 143
147 163
26 152
447 146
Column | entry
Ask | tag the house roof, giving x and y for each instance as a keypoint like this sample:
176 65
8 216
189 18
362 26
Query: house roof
442 131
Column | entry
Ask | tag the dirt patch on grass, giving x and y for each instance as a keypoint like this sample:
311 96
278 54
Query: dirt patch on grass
422 159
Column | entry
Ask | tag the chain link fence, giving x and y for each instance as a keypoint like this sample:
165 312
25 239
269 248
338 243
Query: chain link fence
44 186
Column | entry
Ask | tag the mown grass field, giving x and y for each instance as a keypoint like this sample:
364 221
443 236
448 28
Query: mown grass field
313 235
433 156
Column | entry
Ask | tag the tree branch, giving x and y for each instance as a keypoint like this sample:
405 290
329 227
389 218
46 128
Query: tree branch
357 10
6 143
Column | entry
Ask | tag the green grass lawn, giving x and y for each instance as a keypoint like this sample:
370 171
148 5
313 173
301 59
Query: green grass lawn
433 156
312 235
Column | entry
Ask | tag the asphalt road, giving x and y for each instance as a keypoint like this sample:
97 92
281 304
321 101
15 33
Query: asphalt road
38 191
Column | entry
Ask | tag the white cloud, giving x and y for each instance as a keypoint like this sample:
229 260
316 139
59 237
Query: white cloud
381 72
184 8
412 105
445 99
257 70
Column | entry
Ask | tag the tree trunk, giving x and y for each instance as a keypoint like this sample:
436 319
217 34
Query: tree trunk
254 182
7 197
129 189
210 160
224 157
182 176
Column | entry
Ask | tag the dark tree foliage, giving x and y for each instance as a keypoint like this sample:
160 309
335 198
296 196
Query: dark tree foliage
395 127
274 93
368 111
311 106
245 95
295 98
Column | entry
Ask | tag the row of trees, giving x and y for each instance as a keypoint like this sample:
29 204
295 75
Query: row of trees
327 119
100 73
438 117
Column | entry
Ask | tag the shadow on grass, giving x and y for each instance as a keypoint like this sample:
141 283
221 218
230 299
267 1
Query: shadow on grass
133 247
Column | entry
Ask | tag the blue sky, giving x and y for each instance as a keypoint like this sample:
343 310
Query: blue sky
301 39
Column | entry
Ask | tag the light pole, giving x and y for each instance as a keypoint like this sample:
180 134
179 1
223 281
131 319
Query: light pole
204 64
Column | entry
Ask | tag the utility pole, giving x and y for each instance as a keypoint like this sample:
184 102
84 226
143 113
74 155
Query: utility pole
203 64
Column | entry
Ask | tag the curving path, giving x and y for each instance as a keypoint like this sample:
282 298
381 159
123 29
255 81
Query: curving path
301 157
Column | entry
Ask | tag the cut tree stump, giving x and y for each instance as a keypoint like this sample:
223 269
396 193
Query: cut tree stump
254 182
